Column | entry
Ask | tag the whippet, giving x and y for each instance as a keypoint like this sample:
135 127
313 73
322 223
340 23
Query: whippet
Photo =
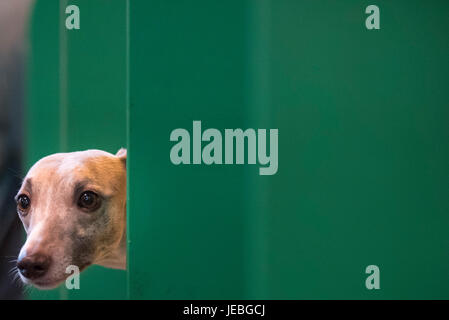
73 208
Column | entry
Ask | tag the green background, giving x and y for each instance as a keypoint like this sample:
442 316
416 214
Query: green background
77 101
363 142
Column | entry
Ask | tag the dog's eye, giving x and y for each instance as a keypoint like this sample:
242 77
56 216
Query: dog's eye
23 204
89 201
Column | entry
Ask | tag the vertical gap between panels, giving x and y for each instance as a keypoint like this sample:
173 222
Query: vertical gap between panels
62 95
63 125
128 131
259 95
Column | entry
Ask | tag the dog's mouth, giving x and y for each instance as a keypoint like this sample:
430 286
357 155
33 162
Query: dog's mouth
48 283
44 284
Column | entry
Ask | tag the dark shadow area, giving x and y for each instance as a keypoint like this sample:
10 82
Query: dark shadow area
13 22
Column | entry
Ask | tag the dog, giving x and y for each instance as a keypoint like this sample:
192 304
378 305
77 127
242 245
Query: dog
73 208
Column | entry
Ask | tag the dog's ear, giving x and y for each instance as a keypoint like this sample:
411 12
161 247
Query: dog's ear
122 155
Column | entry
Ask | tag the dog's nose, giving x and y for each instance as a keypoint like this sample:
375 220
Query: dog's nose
34 266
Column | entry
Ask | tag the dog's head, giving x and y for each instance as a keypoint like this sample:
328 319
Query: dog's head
73 208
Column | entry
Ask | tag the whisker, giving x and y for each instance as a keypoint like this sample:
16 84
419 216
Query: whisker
12 271
8 256
17 281
15 173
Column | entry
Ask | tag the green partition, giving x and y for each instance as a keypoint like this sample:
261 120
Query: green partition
186 224
77 101
363 155
362 118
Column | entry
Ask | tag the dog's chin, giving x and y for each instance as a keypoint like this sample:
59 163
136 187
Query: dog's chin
44 284
50 283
